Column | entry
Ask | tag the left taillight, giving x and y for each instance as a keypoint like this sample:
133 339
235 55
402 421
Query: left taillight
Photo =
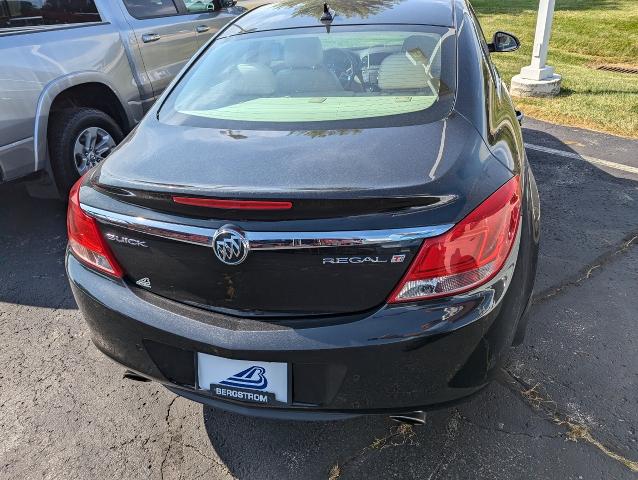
85 240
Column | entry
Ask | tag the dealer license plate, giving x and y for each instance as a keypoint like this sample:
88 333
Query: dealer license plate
243 380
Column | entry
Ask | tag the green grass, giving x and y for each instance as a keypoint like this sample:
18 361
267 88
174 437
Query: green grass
585 33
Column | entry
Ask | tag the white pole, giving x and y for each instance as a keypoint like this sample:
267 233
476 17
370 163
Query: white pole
538 78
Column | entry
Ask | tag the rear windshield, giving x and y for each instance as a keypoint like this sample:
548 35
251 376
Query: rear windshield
314 76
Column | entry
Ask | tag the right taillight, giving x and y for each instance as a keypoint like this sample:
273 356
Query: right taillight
468 255
85 240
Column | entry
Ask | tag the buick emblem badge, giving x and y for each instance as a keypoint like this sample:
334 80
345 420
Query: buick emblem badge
230 245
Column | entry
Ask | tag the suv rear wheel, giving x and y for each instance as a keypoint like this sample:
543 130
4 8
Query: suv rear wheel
80 138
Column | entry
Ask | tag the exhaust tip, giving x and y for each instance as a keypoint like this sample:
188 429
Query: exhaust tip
410 418
135 377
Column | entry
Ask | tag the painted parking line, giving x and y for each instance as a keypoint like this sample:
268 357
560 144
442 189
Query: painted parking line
592 160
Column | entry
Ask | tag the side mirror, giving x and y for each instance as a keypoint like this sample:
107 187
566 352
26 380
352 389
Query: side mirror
504 42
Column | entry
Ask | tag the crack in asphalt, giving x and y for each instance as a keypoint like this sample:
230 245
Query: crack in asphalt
170 439
576 430
402 435
586 273
487 428
172 428
215 463
451 429
398 436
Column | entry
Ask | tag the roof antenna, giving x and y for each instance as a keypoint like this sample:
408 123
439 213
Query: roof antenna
327 13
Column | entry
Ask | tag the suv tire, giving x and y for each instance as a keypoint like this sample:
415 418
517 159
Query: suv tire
65 129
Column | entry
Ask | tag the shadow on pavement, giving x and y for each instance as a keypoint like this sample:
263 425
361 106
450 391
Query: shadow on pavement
32 246
264 448
585 210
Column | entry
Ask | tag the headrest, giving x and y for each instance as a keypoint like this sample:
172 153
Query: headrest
253 79
264 52
400 72
303 52
425 43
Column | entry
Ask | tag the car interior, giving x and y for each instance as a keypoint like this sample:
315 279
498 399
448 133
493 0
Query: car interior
404 69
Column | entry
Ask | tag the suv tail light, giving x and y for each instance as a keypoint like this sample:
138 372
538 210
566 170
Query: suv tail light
470 254
85 240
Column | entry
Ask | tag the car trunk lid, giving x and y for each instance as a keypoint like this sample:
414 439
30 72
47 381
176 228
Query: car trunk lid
361 203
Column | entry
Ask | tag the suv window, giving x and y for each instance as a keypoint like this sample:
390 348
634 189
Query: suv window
196 6
151 8
34 13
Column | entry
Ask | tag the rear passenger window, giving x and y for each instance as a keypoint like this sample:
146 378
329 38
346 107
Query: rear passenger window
151 8
196 6
34 13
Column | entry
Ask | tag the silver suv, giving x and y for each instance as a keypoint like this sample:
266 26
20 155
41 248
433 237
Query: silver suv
77 75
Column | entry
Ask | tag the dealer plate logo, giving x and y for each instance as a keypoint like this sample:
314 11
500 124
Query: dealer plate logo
253 377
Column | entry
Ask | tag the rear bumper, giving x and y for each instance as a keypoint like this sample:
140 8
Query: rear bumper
397 358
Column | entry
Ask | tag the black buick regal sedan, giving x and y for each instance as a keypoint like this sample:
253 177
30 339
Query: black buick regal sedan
328 213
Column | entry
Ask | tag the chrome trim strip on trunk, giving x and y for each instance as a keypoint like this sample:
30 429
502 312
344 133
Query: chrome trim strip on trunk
266 240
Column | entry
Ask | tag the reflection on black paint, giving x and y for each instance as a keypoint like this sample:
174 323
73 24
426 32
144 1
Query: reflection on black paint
233 134
344 8
326 133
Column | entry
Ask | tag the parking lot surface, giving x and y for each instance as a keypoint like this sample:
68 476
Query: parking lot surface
566 405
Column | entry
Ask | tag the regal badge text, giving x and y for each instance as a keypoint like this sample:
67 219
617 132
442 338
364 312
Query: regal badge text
345 260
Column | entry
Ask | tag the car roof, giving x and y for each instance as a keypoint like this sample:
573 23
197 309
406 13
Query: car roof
294 14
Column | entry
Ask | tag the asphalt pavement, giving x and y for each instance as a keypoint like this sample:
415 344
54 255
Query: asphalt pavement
566 405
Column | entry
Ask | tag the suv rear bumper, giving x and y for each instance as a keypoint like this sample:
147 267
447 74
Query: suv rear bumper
396 358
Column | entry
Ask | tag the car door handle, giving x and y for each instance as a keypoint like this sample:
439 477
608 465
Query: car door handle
202 28
150 37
